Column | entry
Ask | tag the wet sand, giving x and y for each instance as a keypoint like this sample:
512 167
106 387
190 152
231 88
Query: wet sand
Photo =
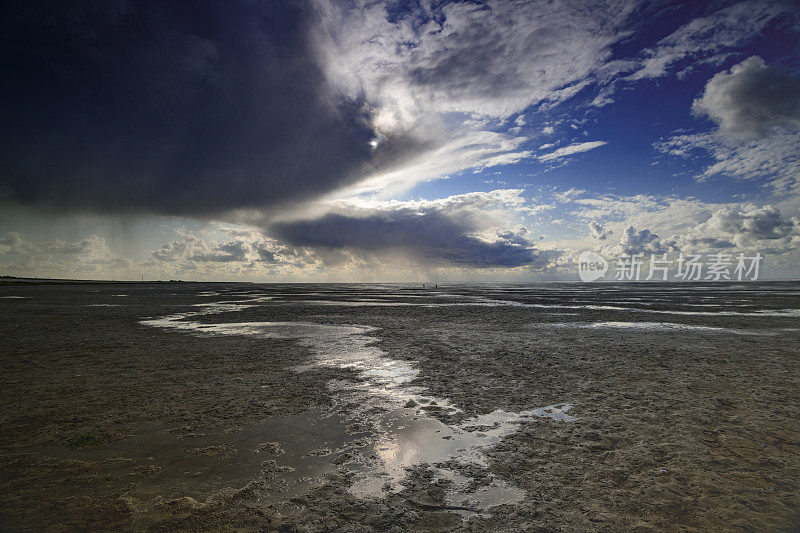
392 408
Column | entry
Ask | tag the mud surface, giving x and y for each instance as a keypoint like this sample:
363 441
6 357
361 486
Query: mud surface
395 408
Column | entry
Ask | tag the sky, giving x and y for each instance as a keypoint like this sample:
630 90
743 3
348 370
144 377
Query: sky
326 140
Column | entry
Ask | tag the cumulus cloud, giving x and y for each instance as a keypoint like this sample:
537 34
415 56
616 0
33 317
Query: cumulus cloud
574 148
250 254
747 228
10 241
265 254
88 256
757 109
642 242
272 252
598 231
60 247
695 243
177 249
759 223
225 252
192 248
693 226
751 99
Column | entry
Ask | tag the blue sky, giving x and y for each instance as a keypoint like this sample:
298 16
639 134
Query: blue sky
368 140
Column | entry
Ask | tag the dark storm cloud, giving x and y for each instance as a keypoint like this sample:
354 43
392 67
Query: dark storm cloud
431 235
169 107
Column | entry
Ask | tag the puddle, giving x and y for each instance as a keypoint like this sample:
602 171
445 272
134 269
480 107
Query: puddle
655 326
164 465
408 438
396 413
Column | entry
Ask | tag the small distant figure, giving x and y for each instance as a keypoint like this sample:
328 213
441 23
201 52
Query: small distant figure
423 285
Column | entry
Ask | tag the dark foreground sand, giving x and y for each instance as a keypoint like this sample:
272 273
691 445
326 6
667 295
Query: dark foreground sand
690 421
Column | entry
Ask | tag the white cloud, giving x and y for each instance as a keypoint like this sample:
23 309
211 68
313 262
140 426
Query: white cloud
774 159
747 228
599 231
413 73
751 99
641 242
691 226
88 257
572 149
653 224
445 76
757 108
250 255
568 195
461 150
724 29
747 223
191 248
492 60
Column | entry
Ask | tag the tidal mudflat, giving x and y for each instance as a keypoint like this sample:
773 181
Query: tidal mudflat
641 407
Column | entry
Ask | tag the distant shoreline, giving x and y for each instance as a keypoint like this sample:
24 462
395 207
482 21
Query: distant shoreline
37 281
12 280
